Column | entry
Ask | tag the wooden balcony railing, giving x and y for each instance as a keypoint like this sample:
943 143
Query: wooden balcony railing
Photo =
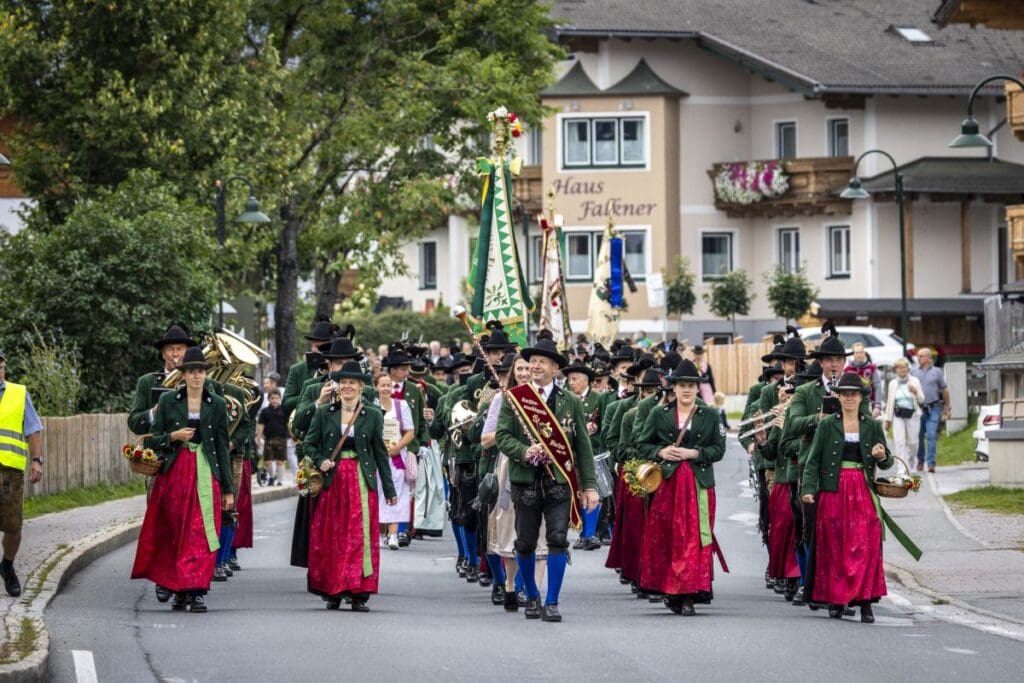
1015 109
528 188
1015 219
814 186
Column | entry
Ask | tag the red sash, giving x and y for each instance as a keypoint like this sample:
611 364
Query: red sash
545 429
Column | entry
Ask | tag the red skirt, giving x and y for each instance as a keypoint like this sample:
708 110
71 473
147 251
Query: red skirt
336 536
673 561
848 544
614 559
782 562
629 533
243 503
173 550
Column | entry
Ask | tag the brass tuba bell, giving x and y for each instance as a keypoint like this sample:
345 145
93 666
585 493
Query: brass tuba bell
649 476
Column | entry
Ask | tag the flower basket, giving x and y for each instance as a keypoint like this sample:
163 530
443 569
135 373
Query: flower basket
898 485
308 480
141 460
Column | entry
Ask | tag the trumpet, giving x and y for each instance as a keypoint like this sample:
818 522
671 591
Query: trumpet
775 411
772 418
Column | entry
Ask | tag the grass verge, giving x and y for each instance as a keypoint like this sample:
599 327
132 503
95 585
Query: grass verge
12 651
992 498
93 495
953 449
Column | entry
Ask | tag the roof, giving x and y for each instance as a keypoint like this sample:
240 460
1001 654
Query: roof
826 46
1010 358
1002 15
953 306
953 175
643 81
574 83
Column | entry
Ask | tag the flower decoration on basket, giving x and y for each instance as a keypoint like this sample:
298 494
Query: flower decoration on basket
629 469
910 482
506 120
308 479
750 182
142 460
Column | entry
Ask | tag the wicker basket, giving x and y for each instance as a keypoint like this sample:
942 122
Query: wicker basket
149 468
887 490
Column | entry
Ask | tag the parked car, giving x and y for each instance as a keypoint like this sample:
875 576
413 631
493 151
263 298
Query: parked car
988 419
883 345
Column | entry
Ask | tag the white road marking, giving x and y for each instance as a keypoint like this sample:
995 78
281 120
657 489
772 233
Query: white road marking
85 666
165 626
960 651
744 518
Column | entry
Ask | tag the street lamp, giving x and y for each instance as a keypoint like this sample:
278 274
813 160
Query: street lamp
970 135
4 161
855 191
252 214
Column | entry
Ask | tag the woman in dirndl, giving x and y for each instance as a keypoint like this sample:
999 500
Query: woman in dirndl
846 449
686 437
398 433
178 544
346 443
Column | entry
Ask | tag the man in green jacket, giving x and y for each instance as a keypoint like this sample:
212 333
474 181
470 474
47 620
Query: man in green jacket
540 488
299 373
578 377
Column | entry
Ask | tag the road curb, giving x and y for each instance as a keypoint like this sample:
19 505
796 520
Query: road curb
948 511
63 564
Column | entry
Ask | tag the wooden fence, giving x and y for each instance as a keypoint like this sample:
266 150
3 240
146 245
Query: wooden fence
83 450
736 366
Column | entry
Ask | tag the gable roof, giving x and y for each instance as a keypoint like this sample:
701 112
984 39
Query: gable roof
826 46
643 81
953 175
1009 358
575 83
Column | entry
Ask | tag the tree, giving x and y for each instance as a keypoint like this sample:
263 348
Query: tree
730 296
790 295
680 297
109 279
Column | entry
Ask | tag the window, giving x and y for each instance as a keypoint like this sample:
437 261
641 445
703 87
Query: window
582 249
839 137
536 259
534 152
839 251
789 249
913 34
428 265
785 140
604 142
578 257
634 253
716 255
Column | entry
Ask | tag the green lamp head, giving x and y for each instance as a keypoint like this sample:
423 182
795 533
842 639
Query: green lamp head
970 135
854 190
252 213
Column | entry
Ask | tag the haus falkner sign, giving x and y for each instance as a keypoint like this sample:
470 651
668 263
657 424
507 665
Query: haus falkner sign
593 205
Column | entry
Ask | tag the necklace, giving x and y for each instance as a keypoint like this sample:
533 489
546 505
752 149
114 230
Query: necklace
349 408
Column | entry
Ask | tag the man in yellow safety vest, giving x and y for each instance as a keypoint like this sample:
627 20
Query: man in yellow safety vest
19 437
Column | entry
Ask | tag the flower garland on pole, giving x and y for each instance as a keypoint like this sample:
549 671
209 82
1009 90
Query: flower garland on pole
750 182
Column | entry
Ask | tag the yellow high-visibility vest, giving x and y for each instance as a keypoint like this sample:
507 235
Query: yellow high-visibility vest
13 447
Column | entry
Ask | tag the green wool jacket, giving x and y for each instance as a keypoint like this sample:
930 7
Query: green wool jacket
706 433
138 416
368 431
513 441
821 469
595 404
244 434
469 452
298 375
474 389
172 415
613 430
802 417
753 401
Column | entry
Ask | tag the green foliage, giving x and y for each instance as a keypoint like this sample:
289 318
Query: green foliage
110 279
50 371
680 297
730 296
91 495
789 294
374 329
1005 501
958 447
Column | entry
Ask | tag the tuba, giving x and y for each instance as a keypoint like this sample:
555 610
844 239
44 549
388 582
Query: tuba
462 417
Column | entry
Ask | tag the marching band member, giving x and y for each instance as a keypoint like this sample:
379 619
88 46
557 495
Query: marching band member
190 431
686 437
346 444
299 373
549 466
578 377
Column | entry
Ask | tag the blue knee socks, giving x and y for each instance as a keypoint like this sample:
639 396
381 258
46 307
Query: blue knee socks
528 570
590 522
403 527
556 572
471 549
801 559
497 569
227 535
517 582
460 541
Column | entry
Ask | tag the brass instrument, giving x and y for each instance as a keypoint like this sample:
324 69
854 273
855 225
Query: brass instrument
462 418
774 412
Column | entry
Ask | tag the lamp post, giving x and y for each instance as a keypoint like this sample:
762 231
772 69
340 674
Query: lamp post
855 191
970 136
252 214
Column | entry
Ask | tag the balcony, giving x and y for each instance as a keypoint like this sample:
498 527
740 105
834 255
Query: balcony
1015 219
528 188
813 189
1015 109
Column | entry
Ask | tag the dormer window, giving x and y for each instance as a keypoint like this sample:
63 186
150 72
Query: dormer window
911 34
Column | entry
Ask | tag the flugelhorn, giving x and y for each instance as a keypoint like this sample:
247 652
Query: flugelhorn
774 412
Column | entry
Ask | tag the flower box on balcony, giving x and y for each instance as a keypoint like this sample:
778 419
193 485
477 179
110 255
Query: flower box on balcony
814 186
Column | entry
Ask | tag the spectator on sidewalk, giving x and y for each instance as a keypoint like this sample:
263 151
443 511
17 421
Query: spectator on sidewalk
935 404
20 429
903 412
272 437
271 384
868 372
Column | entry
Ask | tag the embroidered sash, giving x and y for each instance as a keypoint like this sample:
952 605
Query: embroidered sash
545 429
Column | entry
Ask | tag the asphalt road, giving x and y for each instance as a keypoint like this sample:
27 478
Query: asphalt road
262 625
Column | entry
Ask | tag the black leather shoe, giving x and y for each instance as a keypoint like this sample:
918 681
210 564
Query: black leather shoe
798 599
704 597
550 613
197 604
580 542
835 611
472 574
780 586
866 615
511 603
359 605
606 540
814 606
219 574
633 588
791 589
592 543
404 540
180 602
333 603
227 570
485 580
233 564
769 582
11 583
163 594
460 567
532 610
521 598
498 594
686 607
848 611
623 580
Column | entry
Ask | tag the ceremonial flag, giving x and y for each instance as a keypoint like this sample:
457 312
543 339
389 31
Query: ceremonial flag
496 282
554 312
606 300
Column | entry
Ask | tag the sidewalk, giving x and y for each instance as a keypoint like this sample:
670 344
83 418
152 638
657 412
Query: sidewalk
972 558
54 547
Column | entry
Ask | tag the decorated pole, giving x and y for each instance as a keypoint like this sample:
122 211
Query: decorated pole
607 299
496 284
554 308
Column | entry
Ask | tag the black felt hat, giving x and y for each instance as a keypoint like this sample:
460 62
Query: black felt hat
621 354
793 348
778 340
340 348
850 381
651 379
177 333
601 369
812 372
350 370
396 356
323 330
581 367
507 361
194 359
831 346
770 371
456 361
547 348
686 372
497 340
